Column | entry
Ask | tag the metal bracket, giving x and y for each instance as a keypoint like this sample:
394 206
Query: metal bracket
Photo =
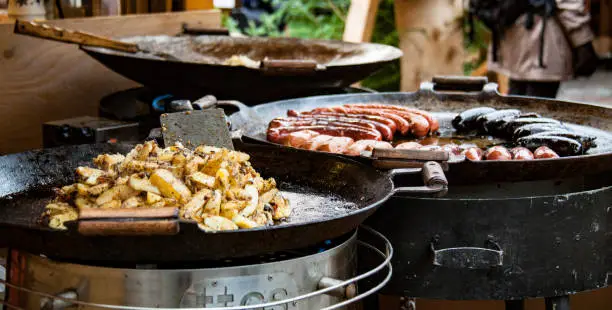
468 257
479 85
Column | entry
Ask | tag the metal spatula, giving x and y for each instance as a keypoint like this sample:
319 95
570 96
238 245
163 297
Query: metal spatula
81 38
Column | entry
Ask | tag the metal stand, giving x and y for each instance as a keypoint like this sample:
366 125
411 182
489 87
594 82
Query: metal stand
557 303
515 304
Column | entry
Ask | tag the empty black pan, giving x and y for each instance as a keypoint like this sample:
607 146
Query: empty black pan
192 66
330 196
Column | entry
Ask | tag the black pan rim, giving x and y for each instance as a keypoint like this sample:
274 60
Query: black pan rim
395 53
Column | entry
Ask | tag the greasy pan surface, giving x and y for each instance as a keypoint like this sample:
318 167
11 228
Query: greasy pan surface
590 119
201 72
330 196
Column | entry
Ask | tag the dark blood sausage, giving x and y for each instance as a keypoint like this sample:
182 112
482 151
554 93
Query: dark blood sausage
279 134
497 152
544 152
521 153
434 125
530 129
466 120
372 118
473 154
561 145
510 126
491 121
586 140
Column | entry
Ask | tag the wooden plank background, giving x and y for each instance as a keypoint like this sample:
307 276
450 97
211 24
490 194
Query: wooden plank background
41 80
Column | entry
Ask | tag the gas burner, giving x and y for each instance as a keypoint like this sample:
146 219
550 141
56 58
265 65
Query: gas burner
298 279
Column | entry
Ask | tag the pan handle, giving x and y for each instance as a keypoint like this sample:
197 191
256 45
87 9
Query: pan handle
434 180
458 84
128 222
197 31
286 67
70 36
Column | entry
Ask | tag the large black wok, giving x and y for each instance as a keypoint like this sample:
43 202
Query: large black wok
192 66
595 120
330 196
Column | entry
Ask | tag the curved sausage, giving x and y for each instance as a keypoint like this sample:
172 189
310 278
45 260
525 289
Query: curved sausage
497 152
433 122
301 138
317 141
544 152
402 125
285 122
372 118
473 154
384 130
279 134
356 148
408 146
466 120
335 145
521 153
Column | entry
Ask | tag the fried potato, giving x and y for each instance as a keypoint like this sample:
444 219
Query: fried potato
120 192
244 222
153 198
170 186
143 184
202 179
219 223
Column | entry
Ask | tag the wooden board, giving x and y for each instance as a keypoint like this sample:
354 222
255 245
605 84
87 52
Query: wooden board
431 38
42 80
360 21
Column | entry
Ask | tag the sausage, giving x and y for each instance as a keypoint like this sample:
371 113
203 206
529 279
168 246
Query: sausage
356 148
473 154
279 134
434 125
509 127
284 122
419 125
561 145
402 125
466 120
586 141
521 153
384 130
408 146
530 129
452 148
372 118
335 145
300 138
317 141
544 152
490 121
497 152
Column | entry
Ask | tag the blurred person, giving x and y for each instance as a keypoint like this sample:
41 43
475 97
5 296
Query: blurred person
537 43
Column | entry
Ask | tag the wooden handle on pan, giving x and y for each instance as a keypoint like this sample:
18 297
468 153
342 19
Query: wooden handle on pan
288 67
128 222
410 154
70 36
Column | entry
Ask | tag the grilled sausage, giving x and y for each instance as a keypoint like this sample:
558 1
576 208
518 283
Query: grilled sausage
509 127
561 145
434 125
285 122
317 141
384 130
544 152
408 146
521 153
301 138
466 120
473 154
372 118
497 152
531 129
402 125
491 121
336 145
360 146
586 140
280 134
452 148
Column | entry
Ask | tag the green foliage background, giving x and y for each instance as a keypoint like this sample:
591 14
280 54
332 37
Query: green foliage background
325 19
